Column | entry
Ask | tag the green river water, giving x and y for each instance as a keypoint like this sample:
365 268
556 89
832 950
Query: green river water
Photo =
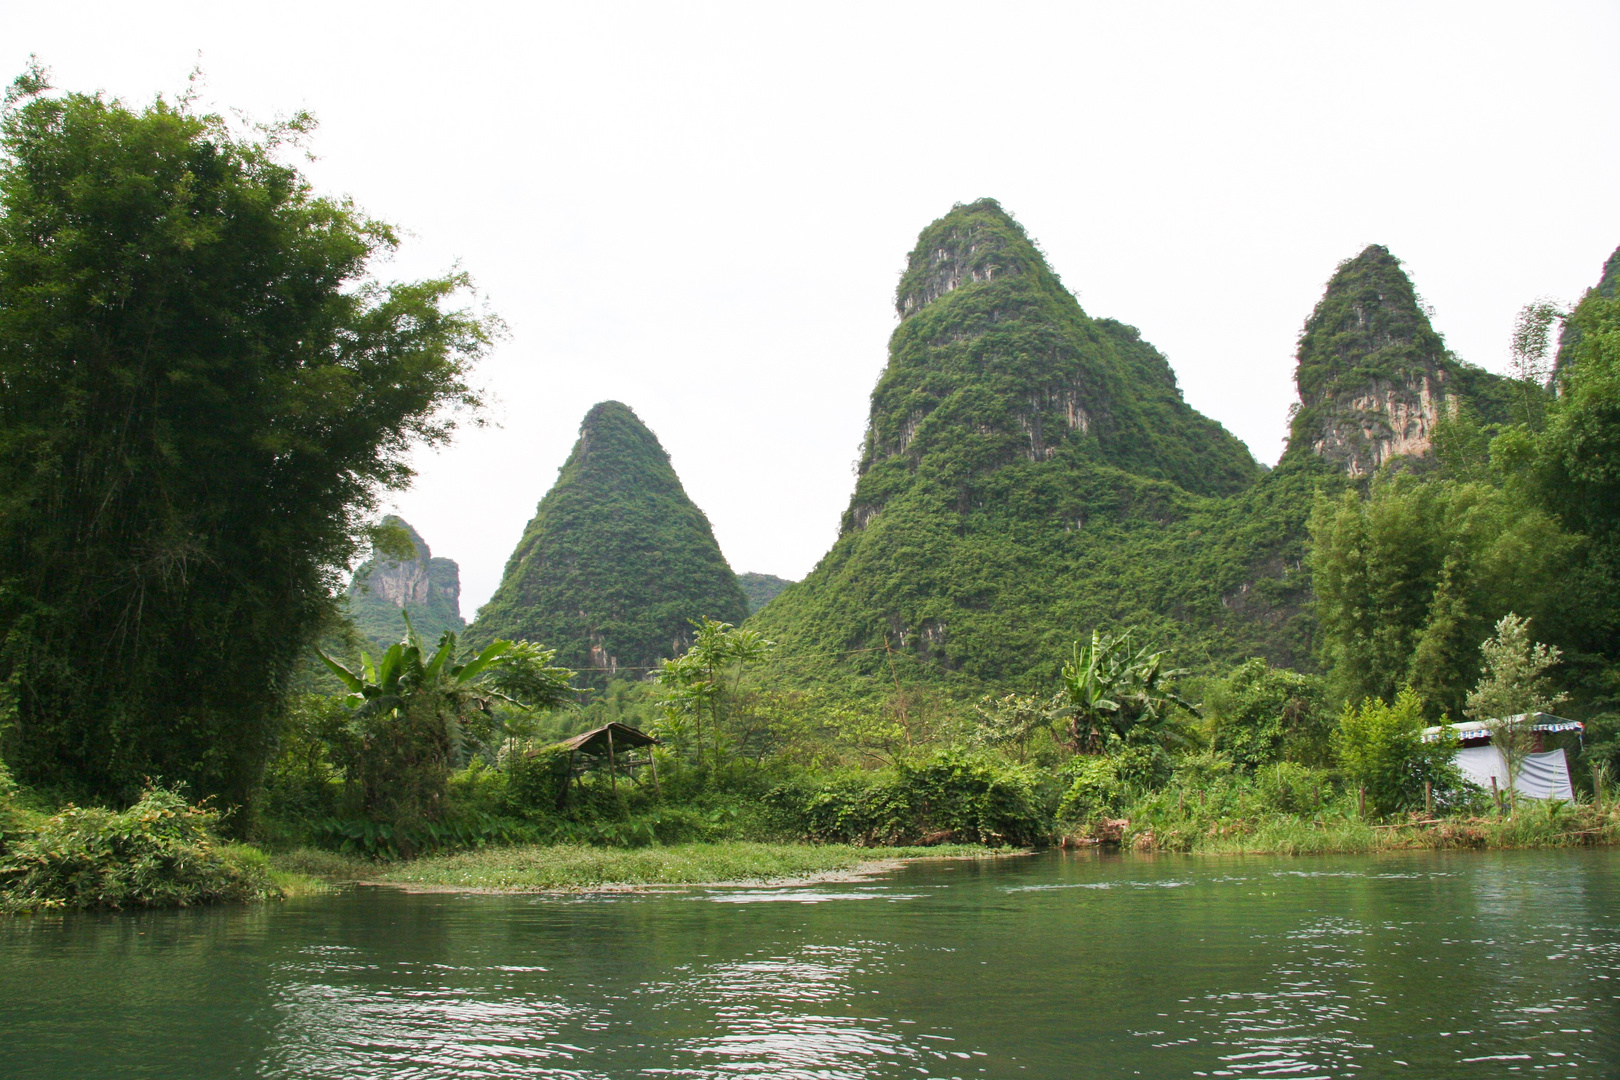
1056 965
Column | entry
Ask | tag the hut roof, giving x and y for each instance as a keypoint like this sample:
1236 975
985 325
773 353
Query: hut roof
596 740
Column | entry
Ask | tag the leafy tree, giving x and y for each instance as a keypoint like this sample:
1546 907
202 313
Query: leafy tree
701 685
1260 714
1380 747
1409 577
1514 687
202 394
414 715
1117 691
1011 721
1530 361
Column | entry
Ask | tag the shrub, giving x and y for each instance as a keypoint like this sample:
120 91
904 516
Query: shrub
948 796
973 799
1104 786
1290 788
1097 791
11 816
1263 714
535 781
1381 748
161 852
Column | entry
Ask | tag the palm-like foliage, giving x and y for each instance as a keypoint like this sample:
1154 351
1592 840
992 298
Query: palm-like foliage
1114 689
415 713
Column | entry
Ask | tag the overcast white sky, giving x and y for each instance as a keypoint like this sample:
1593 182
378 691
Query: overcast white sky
702 210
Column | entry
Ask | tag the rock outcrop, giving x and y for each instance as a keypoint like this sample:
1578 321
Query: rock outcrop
617 562
425 587
1374 377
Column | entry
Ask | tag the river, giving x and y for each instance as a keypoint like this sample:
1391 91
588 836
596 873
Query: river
1427 964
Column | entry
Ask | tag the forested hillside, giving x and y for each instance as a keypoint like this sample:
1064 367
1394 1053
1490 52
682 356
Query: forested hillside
617 561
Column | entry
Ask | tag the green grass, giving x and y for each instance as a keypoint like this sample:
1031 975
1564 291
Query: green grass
577 866
1536 825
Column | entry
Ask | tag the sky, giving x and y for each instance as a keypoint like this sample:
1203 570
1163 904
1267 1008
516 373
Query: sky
702 209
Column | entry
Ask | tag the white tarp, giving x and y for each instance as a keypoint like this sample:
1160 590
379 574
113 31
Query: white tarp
1541 776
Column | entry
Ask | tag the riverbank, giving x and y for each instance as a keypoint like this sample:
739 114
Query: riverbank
583 868
1537 824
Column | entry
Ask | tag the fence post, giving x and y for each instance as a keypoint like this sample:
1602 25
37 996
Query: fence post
1361 801
1428 799
1497 795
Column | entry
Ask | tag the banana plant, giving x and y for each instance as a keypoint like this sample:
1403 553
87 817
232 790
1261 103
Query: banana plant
446 690
1113 689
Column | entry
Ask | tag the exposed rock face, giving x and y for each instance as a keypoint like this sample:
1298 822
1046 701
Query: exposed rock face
427 588
1374 378
617 561
1389 420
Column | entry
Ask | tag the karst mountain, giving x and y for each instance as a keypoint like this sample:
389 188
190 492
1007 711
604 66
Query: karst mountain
1374 377
617 562
1031 472
385 589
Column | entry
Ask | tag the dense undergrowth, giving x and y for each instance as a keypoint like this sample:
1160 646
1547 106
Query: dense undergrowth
161 852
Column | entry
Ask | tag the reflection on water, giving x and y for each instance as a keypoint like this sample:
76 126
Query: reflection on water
1425 964
767 1016
418 1023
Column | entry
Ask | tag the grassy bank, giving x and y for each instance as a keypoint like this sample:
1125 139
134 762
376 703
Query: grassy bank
1534 825
582 867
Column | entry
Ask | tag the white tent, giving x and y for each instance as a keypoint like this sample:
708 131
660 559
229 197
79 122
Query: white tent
1541 776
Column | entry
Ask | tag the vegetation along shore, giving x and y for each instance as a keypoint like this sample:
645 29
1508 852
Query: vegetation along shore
1062 607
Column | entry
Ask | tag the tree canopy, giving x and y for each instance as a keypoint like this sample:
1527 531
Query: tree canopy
202 393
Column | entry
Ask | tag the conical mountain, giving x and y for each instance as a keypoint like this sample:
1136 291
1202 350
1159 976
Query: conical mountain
1373 375
617 560
1029 472
385 589
995 363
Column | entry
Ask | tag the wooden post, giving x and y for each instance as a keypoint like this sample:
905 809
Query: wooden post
1428 799
1361 801
613 768
567 780
1181 801
1497 795
653 761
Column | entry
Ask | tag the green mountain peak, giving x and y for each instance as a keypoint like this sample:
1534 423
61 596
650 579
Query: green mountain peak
1030 472
1608 285
1373 375
994 363
616 561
